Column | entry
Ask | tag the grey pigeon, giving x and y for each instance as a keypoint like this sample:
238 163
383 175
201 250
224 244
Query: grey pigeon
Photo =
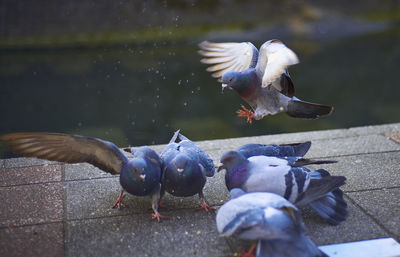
185 168
139 175
271 220
260 78
295 183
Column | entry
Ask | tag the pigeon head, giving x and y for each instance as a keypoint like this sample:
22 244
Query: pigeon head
138 177
181 165
231 159
231 80
136 169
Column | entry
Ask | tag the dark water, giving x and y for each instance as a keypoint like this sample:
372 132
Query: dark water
140 94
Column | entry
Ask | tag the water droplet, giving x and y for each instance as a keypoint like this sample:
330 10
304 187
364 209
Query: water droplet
179 82
185 104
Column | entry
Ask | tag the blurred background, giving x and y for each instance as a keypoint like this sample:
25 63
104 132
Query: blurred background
129 72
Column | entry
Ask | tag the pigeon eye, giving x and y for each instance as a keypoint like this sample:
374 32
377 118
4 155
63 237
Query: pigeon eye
230 80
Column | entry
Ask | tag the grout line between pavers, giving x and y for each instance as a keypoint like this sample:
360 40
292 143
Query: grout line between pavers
372 189
30 184
31 224
64 203
370 216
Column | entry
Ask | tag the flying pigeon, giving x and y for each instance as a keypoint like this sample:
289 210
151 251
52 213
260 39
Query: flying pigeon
185 169
139 175
260 78
271 220
295 183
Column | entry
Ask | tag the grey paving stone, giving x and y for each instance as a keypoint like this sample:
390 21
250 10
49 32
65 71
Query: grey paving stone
31 204
366 171
36 240
94 198
185 233
25 162
358 226
30 175
1 163
84 171
351 146
376 129
383 205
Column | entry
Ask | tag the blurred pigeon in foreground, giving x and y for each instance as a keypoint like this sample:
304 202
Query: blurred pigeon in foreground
260 78
295 183
185 168
140 175
273 221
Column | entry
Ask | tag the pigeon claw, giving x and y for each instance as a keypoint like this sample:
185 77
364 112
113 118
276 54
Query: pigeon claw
205 206
247 114
157 216
120 201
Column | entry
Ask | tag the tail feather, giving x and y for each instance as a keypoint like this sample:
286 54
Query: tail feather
300 247
332 207
305 161
301 149
318 188
175 136
306 110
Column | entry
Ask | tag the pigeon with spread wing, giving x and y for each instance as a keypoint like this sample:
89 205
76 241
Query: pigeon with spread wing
139 175
260 78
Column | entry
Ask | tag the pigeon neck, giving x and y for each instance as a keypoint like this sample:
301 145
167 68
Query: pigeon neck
236 176
247 83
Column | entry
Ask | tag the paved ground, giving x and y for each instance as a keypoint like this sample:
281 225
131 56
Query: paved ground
52 209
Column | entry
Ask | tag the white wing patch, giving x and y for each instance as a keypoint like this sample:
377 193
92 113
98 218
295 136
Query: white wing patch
227 56
277 57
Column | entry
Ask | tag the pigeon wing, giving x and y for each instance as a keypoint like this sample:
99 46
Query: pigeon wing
273 60
67 148
225 57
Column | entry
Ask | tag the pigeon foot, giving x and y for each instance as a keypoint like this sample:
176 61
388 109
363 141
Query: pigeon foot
156 216
205 206
250 252
247 114
120 201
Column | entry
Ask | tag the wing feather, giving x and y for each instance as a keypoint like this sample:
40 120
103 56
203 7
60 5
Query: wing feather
67 148
275 57
228 57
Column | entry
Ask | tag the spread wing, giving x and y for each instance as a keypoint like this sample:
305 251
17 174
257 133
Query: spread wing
273 61
67 148
225 57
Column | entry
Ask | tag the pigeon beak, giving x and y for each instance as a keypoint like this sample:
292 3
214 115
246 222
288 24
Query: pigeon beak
223 87
220 166
142 176
180 170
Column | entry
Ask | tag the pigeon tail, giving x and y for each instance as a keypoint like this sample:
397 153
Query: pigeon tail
301 149
304 161
306 110
318 188
332 207
301 247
